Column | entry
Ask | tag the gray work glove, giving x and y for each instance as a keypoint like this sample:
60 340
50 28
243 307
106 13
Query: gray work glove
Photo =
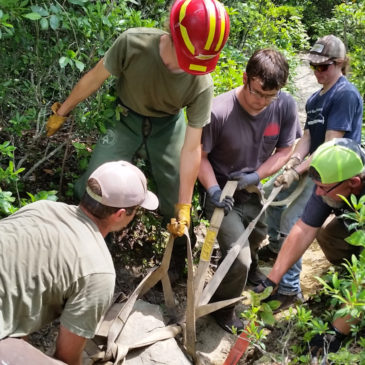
287 178
244 178
263 285
227 203
293 162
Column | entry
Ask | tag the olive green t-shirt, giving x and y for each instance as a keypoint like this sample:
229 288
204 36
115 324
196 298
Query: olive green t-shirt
145 84
53 263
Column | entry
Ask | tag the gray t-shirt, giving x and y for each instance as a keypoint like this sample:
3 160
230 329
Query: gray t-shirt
53 263
236 140
146 86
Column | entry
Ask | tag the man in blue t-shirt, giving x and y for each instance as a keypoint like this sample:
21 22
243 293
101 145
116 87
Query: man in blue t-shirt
337 168
334 111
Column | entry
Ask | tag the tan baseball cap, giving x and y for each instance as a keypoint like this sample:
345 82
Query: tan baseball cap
122 185
327 48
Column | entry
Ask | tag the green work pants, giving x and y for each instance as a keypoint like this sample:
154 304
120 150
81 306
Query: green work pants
162 138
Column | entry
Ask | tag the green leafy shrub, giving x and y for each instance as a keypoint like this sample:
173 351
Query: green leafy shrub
9 177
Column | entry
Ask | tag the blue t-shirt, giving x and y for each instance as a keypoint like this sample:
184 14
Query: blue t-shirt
339 109
316 210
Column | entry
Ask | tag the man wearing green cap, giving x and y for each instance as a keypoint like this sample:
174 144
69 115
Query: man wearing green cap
337 168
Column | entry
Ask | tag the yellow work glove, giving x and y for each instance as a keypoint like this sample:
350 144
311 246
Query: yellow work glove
293 162
183 220
55 121
287 178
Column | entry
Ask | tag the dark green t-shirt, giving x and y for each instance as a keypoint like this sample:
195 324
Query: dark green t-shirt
146 86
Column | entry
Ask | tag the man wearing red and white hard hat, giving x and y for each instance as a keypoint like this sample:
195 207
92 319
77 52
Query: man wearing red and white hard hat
158 74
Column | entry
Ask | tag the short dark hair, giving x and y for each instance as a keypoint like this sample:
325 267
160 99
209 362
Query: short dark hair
97 209
270 66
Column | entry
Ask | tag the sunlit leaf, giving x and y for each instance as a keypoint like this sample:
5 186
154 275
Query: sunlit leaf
54 22
64 61
32 16
268 317
38 9
79 65
44 23
357 238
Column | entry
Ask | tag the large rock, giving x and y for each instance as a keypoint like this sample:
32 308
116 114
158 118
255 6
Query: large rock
213 343
145 318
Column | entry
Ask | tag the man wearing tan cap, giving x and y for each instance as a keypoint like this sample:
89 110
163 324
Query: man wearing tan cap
55 263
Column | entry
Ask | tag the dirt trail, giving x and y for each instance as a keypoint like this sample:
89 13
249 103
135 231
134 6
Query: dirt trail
306 85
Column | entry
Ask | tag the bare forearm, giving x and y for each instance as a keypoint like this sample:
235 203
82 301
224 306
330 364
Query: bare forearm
299 239
189 167
206 174
305 145
69 347
301 151
275 162
302 148
87 85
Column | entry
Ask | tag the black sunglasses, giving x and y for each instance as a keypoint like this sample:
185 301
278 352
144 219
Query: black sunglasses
321 68
331 188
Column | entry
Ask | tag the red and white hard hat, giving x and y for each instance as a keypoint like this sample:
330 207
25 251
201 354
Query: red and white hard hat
199 30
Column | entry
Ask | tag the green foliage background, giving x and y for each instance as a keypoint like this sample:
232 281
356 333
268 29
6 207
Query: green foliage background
46 46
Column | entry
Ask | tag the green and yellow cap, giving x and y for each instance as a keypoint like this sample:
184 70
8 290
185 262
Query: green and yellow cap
338 160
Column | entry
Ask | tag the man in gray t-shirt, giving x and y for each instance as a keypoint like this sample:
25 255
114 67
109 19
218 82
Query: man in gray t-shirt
252 131
55 263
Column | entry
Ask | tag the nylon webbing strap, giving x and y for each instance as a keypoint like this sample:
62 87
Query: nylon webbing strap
210 237
120 350
233 252
298 190
112 328
155 275
190 334
203 310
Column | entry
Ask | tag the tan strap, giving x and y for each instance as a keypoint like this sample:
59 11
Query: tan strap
147 283
212 231
159 334
295 193
108 319
203 310
190 334
223 268
119 321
